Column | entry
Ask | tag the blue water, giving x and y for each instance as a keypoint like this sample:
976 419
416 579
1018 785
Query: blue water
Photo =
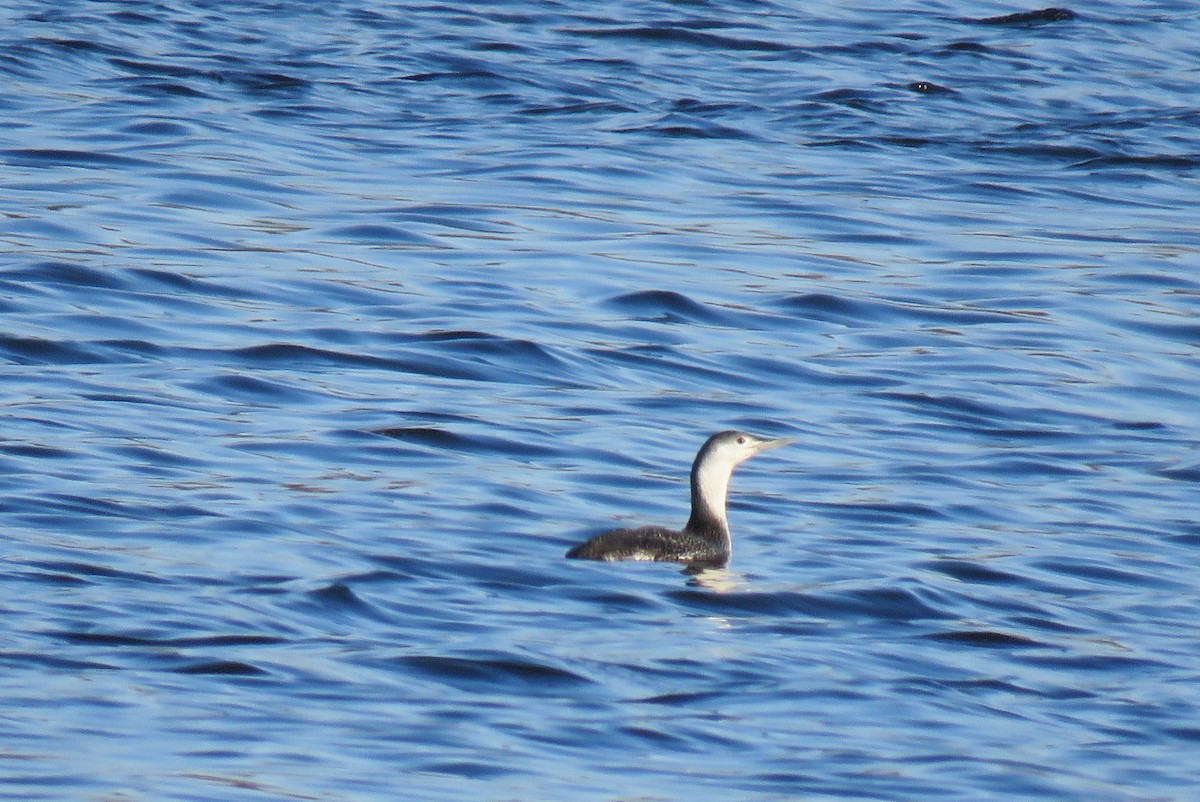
324 333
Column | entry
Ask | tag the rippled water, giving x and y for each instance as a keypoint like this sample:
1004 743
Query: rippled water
325 333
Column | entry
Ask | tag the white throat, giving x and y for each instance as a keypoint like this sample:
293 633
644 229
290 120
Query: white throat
712 489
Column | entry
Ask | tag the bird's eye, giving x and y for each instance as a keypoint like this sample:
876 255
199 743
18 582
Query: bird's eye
741 441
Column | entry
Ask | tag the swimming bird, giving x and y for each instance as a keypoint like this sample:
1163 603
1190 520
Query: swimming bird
704 541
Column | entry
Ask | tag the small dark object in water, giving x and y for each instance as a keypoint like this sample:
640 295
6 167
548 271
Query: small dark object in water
1031 17
927 88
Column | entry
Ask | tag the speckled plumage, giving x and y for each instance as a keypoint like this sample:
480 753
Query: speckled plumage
654 543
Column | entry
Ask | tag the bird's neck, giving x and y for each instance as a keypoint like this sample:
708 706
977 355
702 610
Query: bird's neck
710 486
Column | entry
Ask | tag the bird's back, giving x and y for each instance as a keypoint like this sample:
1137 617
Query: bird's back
653 543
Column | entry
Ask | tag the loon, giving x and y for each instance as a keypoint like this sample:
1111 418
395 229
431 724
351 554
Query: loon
704 541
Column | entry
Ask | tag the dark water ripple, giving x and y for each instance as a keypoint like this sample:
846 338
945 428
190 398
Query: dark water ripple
324 332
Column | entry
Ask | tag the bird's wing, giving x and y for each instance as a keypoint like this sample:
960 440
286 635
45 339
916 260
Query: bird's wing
645 543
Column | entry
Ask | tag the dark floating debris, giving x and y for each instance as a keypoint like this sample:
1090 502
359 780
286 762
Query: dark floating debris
1038 17
985 639
928 88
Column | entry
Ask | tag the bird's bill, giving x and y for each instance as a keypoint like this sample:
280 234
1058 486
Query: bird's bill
767 445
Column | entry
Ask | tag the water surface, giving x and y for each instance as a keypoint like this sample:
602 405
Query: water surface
326 332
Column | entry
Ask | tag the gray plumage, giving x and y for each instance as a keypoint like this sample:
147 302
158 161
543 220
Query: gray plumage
705 540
